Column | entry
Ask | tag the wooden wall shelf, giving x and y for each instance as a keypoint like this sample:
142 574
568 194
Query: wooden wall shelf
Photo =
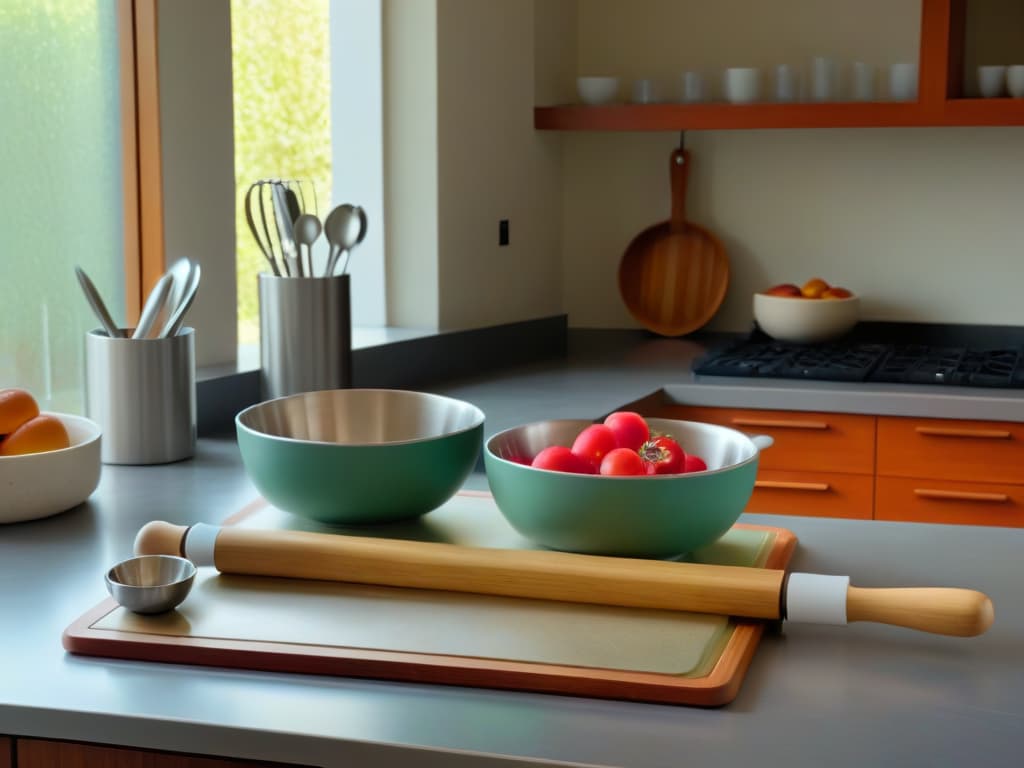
674 117
940 76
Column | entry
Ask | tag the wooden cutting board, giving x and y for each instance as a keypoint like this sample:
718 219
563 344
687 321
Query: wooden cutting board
673 276
291 625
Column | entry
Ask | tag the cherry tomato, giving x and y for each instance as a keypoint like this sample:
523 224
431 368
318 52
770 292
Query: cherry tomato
662 456
631 431
558 458
593 443
694 463
622 461
518 458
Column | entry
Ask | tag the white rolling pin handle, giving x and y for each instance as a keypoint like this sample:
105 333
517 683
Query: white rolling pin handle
815 599
200 543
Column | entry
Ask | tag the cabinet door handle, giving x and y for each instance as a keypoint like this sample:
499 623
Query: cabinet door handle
740 421
788 486
985 434
932 493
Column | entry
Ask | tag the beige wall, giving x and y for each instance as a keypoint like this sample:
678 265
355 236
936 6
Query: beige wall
411 188
925 224
492 165
661 38
194 47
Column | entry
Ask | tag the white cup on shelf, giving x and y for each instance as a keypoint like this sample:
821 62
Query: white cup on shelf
862 81
824 79
742 85
992 81
903 81
694 88
645 91
787 84
1015 81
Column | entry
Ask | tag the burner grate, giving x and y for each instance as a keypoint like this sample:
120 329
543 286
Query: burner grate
894 363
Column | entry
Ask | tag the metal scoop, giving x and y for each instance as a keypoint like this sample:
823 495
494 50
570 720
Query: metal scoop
151 583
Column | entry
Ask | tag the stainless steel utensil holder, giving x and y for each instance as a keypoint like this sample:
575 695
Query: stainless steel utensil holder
305 334
142 393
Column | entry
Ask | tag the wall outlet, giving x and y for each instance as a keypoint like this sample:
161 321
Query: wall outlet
503 232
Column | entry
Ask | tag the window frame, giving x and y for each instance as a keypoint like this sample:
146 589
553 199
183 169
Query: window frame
142 172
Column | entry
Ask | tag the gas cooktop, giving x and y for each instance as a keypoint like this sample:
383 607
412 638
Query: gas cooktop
882 352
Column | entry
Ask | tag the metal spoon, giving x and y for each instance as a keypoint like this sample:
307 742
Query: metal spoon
177 317
98 307
359 239
179 272
342 230
154 302
307 230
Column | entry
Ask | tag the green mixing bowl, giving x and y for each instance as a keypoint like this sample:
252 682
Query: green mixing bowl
656 516
358 456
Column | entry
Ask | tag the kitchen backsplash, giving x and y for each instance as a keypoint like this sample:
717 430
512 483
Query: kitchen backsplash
924 224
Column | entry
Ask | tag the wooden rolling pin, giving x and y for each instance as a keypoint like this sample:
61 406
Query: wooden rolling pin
718 589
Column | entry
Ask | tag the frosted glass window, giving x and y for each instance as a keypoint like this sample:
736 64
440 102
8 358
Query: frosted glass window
61 190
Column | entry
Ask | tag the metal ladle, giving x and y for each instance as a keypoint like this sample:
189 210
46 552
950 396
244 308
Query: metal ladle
342 230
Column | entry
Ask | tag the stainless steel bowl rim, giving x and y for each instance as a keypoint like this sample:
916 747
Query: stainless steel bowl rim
626 478
478 420
191 571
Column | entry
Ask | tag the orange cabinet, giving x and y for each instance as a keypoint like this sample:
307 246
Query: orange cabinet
886 467
942 501
820 442
815 494
950 471
974 451
821 464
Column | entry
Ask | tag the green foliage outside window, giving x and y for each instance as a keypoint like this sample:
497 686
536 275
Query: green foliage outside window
281 68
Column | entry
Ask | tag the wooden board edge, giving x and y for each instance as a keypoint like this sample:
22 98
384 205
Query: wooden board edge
714 690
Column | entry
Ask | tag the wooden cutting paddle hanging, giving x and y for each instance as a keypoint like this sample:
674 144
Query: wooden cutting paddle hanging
673 275
718 589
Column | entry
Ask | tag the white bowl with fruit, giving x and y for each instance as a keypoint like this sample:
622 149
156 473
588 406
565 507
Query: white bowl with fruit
807 314
49 462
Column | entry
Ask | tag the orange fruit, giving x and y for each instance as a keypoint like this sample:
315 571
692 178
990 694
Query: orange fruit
16 407
42 433
835 292
813 288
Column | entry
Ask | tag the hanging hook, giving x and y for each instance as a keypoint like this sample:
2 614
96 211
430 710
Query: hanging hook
679 154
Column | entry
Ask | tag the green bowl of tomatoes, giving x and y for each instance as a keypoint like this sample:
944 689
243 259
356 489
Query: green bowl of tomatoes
359 456
659 510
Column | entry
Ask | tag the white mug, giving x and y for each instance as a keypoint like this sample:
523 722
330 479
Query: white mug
787 83
742 85
992 81
903 81
1015 81
645 91
694 91
863 81
824 79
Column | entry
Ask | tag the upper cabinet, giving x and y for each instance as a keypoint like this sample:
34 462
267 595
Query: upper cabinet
948 40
